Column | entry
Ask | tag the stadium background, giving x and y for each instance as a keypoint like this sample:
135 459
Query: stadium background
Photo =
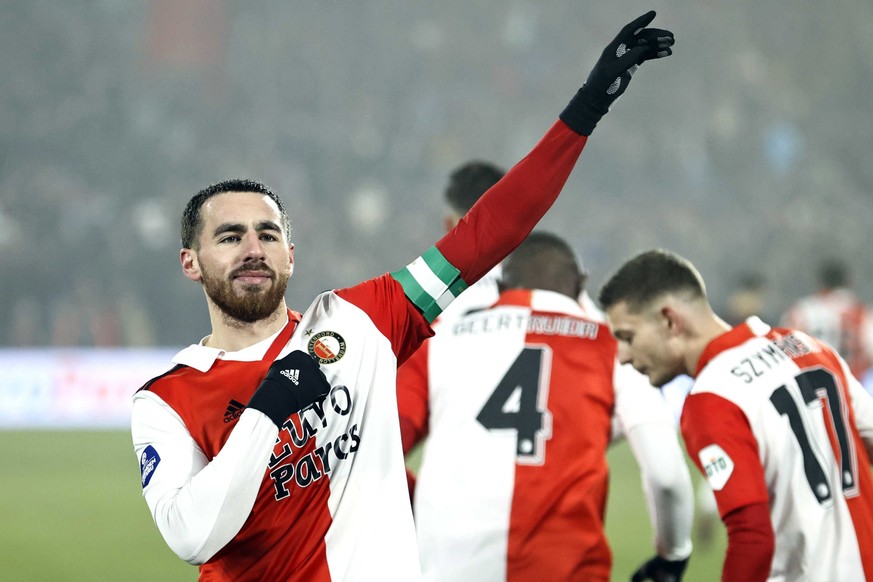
747 151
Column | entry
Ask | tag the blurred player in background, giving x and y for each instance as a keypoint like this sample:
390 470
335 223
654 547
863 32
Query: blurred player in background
775 421
467 183
837 316
271 451
519 402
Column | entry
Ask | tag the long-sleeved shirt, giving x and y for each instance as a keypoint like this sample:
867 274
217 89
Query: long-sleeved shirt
323 497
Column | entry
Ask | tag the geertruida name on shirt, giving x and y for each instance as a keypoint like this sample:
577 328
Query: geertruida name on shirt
286 469
490 322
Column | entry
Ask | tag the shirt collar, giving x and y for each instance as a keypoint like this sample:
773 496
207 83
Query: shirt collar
752 327
541 300
202 357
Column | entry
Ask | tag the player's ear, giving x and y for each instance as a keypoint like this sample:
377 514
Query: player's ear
190 264
673 320
581 279
291 258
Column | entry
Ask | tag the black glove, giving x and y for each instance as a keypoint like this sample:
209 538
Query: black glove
660 570
612 72
293 383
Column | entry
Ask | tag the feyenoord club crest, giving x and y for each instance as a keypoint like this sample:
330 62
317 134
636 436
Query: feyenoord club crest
327 346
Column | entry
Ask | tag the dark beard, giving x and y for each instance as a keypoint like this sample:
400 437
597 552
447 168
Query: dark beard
254 305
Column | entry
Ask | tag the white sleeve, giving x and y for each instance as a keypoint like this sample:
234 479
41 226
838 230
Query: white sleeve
198 505
647 423
636 402
667 484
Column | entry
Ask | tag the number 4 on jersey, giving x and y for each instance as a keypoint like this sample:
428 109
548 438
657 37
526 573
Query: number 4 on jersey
519 402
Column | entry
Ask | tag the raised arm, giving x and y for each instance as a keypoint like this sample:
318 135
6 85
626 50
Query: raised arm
507 213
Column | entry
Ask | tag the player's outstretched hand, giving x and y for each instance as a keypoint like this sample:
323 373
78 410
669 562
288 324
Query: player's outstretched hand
292 384
610 76
660 570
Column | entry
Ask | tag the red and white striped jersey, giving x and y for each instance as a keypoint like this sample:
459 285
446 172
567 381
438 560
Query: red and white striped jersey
840 319
775 416
520 402
326 499
333 494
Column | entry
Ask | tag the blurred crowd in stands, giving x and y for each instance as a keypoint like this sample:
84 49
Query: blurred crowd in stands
749 155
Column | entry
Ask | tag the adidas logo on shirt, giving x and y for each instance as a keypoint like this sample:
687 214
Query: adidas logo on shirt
234 409
292 375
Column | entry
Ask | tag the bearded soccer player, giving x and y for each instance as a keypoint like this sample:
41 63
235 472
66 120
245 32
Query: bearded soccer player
519 402
775 421
272 450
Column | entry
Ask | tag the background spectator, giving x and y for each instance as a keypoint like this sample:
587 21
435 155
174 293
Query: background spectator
113 113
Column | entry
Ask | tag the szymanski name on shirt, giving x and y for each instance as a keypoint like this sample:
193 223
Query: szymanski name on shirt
789 346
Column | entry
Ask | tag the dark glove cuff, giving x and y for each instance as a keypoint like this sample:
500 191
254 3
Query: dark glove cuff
581 115
274 400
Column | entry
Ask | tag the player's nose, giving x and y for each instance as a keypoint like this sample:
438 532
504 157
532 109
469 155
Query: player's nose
253 247
624 356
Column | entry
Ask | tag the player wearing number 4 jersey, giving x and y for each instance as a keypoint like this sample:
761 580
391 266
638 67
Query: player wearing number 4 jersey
775 421
307 482
519 402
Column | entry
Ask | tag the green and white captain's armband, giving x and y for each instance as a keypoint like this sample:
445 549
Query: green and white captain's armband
431 283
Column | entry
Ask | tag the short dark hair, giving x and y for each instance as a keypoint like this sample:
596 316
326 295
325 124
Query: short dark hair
833 273
543 261
649 275
469 182
192 222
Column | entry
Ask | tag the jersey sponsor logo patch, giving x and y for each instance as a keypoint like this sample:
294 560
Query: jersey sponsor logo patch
717 465
148 462
294 463
327 346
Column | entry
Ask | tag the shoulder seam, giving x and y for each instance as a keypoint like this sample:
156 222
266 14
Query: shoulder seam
148 384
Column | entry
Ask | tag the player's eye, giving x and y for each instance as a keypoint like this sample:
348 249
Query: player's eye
269 237
229 239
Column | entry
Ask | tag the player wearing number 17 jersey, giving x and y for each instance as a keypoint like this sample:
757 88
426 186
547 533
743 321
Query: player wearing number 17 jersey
519 402
775 421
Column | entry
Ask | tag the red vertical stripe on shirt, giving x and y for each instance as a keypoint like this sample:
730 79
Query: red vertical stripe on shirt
861 504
